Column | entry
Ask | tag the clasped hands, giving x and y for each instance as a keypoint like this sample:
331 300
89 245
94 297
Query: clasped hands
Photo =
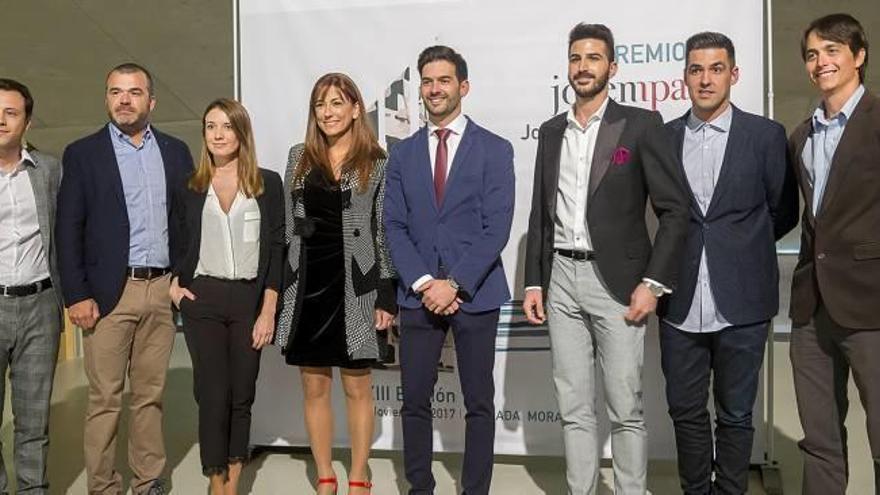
439 297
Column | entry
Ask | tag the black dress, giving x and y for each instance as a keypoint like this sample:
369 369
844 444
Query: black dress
319 338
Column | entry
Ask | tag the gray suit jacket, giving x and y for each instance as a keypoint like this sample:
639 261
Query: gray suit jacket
45 177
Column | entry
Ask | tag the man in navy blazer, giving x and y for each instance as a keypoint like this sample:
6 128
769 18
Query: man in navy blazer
448 210
743 198
116 243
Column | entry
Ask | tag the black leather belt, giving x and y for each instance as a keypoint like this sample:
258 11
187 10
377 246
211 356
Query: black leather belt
25 290
577 255
145 272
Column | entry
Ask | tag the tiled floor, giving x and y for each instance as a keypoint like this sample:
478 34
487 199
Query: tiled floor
289 472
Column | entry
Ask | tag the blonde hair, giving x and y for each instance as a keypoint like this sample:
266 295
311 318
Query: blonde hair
250 181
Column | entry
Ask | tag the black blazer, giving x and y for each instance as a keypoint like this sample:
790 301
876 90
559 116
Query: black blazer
754 204
92 230
619 189
271 203
839 262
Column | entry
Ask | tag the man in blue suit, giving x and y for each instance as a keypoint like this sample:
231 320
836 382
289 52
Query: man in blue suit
743 199
116 242
448 210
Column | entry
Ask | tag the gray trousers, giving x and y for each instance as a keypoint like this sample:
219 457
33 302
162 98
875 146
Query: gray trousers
587 329
29 336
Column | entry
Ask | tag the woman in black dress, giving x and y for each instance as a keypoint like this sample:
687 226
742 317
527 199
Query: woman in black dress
340 280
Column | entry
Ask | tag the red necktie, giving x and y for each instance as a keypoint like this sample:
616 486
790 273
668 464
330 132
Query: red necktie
440 164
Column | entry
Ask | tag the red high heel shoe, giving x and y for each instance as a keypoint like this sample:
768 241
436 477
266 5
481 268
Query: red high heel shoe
328 481
359 484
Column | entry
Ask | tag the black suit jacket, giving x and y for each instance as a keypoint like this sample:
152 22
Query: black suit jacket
92 229
271 203
839 262
754 204
618 193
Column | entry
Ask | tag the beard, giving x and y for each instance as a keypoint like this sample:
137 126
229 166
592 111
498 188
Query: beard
598 85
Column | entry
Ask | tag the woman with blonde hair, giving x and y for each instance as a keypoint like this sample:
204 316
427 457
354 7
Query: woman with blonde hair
226 284
342 281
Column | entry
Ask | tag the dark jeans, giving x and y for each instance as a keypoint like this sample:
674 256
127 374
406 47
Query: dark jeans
421 339
822 355
733 358
218 327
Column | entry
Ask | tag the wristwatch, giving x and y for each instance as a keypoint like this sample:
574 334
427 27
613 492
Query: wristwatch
453 284
656 289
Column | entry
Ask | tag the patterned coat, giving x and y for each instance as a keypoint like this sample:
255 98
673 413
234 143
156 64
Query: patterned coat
369 275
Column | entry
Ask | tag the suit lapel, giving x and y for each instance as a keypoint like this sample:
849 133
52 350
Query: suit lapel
166 164
735 141
423 165
842 160
107 159
555 133
459 160
610 130
40 185
679 126
800 139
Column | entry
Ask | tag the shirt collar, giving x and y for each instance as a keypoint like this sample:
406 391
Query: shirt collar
845 113
597 116
118 134
25 160
721 123
456 126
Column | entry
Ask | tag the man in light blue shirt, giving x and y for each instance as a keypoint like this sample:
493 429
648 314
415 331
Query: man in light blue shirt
116 246
714 326
836 284
143 182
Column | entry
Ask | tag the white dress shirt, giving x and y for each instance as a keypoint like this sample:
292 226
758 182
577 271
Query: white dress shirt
575 163
457 127
22 256
230 244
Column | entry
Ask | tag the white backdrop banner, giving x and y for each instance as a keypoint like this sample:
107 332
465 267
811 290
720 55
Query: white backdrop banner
516 52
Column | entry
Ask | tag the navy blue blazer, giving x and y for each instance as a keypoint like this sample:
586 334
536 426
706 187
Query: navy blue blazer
467 232
754 204
92 229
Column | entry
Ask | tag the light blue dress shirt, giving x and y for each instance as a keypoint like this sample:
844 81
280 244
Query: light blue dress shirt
143 182
702 156
822 144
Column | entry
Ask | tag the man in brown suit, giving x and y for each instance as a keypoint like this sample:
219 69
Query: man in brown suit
836 286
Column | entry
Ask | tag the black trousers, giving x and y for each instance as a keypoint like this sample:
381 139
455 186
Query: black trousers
732 358
422 334
823 353
218 326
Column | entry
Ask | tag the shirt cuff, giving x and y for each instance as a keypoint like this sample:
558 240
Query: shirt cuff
533 287
421 281
666 290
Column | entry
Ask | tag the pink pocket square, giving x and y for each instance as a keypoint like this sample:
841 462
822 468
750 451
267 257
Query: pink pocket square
620 156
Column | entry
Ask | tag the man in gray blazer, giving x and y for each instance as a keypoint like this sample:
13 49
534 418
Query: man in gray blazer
30 308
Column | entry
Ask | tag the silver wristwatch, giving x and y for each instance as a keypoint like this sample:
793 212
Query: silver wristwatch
656 289
453 284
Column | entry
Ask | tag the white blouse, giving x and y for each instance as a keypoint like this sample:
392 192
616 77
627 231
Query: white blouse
230 245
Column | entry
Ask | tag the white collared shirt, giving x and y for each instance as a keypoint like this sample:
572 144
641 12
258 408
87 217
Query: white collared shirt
457 127
230 244
22 255
575 163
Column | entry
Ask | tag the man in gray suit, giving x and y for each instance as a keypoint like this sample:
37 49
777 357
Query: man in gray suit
30 309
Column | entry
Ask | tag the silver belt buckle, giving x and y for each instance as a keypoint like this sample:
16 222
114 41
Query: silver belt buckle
132 276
